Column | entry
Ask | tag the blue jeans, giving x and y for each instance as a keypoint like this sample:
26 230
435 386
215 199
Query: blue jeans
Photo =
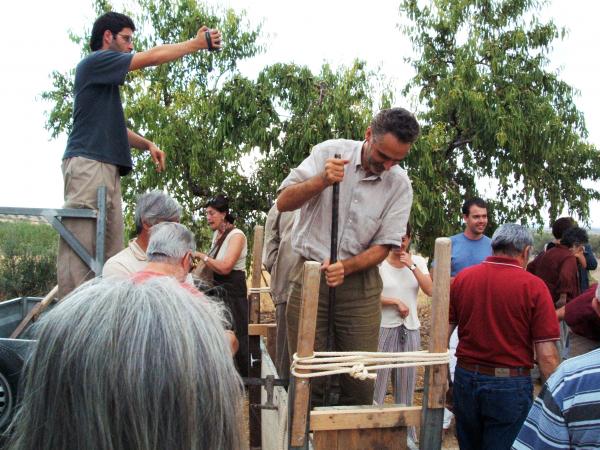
489 410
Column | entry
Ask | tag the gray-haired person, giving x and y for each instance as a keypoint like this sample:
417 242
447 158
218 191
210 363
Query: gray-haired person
151 208
121 365
503 313
170 254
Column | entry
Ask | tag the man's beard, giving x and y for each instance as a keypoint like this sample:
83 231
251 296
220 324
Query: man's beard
375 167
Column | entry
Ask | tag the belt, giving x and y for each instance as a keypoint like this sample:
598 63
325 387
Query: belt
494 371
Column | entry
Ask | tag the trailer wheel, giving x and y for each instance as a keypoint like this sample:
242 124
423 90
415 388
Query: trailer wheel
11 365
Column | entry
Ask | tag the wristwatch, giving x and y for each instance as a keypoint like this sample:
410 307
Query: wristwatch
412 267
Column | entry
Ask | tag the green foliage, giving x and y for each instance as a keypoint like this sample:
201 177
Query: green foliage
540 240
27 259
491 111
595 243
208 117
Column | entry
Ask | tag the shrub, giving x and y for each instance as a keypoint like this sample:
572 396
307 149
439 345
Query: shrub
27 259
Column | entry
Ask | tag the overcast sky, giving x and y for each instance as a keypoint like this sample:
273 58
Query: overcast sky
309 32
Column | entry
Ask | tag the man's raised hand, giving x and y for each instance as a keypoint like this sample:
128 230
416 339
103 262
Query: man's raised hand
215 38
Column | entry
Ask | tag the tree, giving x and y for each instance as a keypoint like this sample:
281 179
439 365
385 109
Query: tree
491 110
207 116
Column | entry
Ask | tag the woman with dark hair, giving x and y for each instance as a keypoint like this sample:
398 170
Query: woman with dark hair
121 365
227 260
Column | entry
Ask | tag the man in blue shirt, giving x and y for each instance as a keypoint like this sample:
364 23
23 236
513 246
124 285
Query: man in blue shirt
468 249
98 151
471 246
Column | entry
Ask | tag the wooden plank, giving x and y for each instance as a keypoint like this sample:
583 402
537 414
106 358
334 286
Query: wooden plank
257 248
364 417
436 377
325 440
305 347
372 439
261 329
35 312
254 392
273 422
272 341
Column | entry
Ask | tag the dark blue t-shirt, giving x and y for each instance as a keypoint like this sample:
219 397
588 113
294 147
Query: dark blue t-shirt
99 130
467 252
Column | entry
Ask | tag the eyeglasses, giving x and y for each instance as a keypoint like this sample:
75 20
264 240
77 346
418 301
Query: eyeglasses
126 37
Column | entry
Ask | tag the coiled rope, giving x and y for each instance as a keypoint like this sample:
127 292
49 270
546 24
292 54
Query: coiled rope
361 365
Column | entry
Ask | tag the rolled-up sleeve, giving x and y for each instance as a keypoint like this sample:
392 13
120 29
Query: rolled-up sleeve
306 170
396 214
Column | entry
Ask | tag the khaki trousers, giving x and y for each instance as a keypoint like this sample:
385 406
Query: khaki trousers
357 317
82 177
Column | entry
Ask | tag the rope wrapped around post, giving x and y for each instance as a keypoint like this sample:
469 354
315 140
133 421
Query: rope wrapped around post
360 365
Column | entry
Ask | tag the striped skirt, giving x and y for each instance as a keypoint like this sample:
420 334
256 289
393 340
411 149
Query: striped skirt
397 339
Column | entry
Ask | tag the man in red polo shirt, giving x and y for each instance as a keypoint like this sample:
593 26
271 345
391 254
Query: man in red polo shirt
582 315
558 268
502 313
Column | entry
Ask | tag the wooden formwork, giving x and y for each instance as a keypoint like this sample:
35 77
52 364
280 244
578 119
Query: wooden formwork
372 427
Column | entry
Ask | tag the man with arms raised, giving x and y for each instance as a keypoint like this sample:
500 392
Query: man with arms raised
374 206
502 313
98 150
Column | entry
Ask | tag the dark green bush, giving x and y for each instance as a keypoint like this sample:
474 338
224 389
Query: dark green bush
27 259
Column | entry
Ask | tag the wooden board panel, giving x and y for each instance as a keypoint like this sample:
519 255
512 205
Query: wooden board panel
372 439
306 342
436 377
274 422
364 417
260 329
325 440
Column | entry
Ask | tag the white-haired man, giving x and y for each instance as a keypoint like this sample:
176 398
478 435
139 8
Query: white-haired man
151 208
171 254
503 313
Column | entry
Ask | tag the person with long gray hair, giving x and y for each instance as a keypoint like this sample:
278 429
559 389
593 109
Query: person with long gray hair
151 208
126 366
503 313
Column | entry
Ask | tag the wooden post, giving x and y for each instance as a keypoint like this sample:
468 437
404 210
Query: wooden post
305 347
257 249
35 312
255 355
436 377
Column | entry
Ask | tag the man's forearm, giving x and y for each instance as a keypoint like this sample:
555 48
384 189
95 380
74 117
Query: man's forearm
137 141
296 195
365 260
547 358
164 54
